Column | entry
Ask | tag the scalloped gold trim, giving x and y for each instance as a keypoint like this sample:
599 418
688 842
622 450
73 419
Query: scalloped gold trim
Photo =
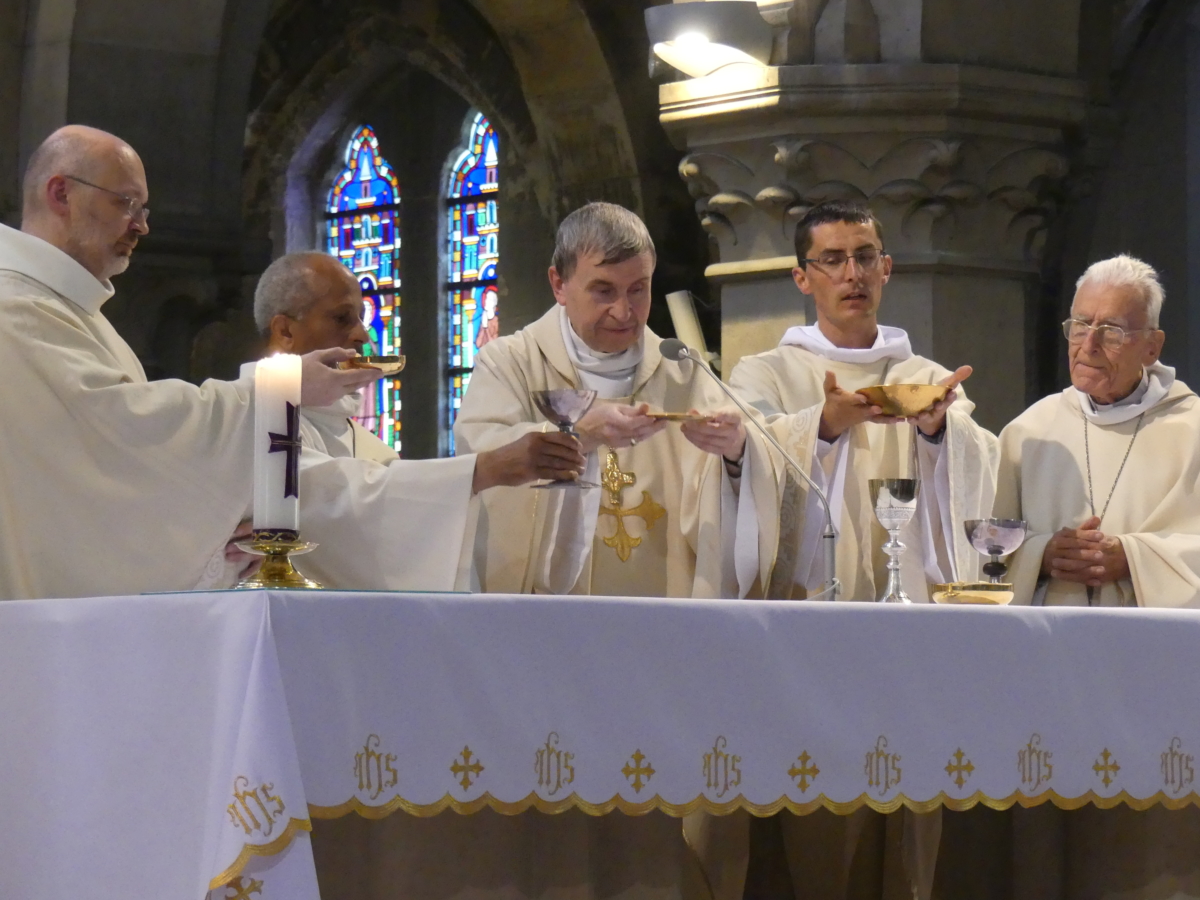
248 850
679 810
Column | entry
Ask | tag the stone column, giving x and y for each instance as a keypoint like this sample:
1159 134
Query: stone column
963 165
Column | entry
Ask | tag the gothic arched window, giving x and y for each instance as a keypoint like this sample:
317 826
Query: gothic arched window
472 254
362 218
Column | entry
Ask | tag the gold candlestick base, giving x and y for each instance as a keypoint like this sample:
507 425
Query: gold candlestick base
276 571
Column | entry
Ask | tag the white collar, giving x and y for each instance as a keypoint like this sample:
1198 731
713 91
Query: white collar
1156 382
45 263
890 343
610 374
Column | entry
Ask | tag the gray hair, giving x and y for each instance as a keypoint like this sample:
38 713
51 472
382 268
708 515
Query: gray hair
1131 272
287 287
605 228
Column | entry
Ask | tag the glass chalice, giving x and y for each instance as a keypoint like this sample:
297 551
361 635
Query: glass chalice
564 407
995 538
895 502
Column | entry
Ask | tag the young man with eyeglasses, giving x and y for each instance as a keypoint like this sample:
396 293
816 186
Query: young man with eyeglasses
1106 472
842 265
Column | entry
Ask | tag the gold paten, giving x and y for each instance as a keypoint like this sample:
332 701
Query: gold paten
904 400
614 481
387 365
276 571
986 593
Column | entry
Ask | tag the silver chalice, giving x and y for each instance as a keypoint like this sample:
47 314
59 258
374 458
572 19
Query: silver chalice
895 502
565 407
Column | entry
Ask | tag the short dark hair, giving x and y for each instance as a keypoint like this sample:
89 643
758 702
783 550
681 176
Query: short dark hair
827 213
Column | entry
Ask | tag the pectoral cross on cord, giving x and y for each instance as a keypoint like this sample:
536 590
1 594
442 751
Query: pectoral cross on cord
290 444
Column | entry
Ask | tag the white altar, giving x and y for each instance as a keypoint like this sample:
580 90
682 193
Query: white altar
187 741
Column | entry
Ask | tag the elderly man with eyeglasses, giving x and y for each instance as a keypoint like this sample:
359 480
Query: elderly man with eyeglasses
1106 472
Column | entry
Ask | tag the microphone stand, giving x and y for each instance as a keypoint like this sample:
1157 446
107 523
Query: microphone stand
673 348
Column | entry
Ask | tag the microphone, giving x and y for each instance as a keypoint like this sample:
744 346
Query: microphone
676 350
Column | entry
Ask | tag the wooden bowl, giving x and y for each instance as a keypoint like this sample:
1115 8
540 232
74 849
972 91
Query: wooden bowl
904 400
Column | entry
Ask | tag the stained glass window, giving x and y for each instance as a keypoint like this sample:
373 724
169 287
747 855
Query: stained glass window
362 221
472 254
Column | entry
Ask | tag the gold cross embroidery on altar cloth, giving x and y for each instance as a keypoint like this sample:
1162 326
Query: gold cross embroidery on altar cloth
614 481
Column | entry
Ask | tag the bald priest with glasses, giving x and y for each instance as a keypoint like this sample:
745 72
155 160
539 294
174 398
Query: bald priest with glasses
1106 472
841 263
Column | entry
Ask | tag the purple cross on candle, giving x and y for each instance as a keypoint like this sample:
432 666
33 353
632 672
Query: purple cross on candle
290 444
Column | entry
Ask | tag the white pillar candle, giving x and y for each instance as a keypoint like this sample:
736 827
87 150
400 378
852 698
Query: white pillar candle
276 384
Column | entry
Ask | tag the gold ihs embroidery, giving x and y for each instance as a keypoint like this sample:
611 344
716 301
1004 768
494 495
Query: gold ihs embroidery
256 809
1177 767
614 482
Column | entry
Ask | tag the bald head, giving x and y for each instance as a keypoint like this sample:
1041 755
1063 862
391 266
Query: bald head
84 191
309 301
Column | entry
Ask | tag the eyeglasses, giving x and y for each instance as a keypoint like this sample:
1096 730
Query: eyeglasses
834 261
1111 337
134 208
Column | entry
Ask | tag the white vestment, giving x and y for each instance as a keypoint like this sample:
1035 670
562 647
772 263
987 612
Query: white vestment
109 484
957 476
379 522
1153 507
667 519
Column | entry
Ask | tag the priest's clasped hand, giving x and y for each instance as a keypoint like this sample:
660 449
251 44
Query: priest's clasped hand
844 409
934 419
552 455
323 385
617 425
1085 555
721 432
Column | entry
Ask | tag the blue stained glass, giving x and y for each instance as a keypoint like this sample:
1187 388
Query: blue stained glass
472 257
363 231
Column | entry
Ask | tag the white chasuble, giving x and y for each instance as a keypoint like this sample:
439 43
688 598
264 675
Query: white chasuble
1153 507
664 523
109 484
380 522
957 476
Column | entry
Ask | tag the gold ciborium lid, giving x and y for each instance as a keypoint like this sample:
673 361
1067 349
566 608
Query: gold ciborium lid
986 593
387 365
904 400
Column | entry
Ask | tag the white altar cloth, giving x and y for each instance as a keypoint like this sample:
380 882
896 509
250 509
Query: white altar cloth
130 722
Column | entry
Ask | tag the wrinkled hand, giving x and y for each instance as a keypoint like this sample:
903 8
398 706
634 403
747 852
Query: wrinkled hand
322 384
722 433
553 455
1084 555
617 426
844 409
247 563
933 419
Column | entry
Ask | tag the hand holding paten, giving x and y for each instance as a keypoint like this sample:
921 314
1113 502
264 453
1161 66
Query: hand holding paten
617 425
553 455
844 409
1085 555
721 433
322 385
931 420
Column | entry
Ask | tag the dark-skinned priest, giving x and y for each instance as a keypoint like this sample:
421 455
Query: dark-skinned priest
1105 473
109 484
381 522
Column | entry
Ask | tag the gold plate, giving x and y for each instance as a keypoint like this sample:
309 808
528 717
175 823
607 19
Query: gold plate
904 400
677 417
388 365
983 593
